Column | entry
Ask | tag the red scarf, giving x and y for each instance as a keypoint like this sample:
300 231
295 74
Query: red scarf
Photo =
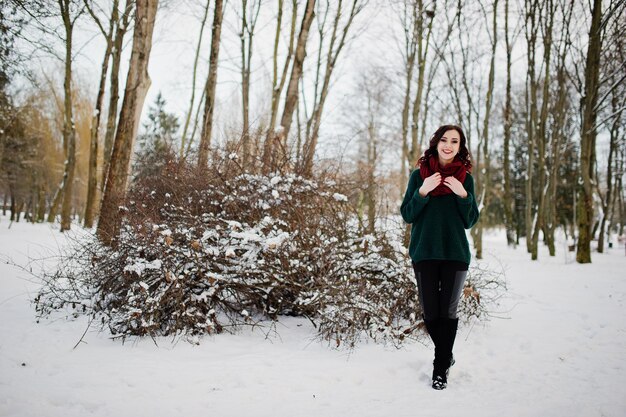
453 169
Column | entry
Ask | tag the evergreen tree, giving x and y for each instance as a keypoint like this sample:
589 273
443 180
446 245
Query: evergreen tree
156 146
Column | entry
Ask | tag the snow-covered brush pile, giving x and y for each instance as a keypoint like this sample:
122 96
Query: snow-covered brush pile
201 253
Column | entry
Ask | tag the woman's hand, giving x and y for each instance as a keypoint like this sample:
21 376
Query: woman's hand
430 184
456 186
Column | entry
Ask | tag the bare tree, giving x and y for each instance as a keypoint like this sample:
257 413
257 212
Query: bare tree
248 25
482 176
272 140
559 112
367 114
122 26
92 182
209 104
507 199
546 17
193 83
296 71
423 30
69 13
588 135
409 18
613 61
137 84
337 42
531 11
418 21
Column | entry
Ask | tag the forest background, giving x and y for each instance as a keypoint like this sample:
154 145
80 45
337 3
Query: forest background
350 87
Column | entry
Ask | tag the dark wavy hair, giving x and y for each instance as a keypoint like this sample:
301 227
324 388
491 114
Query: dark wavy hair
463 155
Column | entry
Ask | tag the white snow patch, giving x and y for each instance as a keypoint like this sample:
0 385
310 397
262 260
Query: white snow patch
140 265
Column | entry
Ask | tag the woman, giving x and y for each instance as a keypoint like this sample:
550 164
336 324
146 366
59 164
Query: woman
440 204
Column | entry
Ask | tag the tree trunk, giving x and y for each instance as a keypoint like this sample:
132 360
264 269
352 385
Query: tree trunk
422 40
508 196
193 85
372 157
56 200
531 118
247 34
409 67
13 204
272 139
333 54
41 205
606 206
118 42
558 136
486 183
95 125
407 163
209 105
69 131
296 70
541 131
137 84
245 83
588 135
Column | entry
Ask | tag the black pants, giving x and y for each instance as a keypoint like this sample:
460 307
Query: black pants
439 285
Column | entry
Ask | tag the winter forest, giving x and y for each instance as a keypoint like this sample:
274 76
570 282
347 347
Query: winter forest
354 88
214 166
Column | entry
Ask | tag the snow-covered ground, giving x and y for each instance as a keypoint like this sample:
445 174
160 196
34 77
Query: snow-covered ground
555 347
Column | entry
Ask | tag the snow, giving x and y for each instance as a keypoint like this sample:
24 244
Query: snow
554 347
139 265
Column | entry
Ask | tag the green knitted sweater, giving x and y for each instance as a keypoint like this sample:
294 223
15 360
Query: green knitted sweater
439 222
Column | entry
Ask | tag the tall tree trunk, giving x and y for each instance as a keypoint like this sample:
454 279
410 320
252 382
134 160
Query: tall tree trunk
114 87
409 67
137 84
588 135
508 196
272 139
410 30
541 128
477 232
193 85
209 104
245 83
559 112
69 131
531 118
619 192
92 183
247 40
372 156
423 35
296 70
333 54
606 206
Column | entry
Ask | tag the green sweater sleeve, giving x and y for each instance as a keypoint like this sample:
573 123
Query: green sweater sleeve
467 206
413 202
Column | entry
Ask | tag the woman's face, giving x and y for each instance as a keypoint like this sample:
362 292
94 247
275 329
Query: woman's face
448 146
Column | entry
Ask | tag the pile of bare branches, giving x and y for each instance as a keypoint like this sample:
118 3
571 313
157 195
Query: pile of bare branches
204 252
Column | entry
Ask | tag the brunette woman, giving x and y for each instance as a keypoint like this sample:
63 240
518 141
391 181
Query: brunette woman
440 205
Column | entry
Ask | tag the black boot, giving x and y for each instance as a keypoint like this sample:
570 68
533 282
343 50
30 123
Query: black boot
446 333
